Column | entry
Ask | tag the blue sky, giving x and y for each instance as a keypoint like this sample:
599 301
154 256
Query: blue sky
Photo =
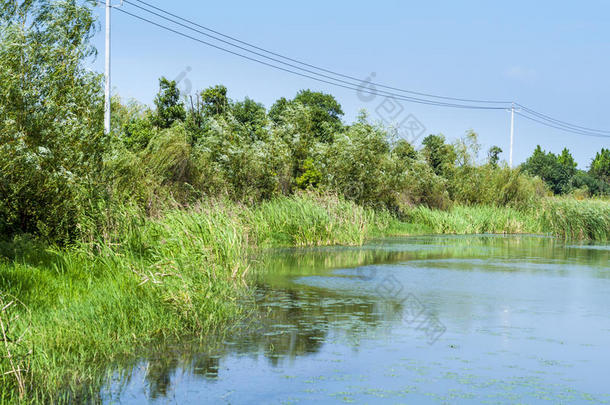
553 57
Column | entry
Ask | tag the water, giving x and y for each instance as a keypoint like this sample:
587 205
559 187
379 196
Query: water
425 320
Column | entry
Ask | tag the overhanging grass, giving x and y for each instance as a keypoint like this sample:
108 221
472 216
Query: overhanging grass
159 279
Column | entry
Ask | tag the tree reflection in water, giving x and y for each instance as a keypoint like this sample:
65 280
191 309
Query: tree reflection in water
306 297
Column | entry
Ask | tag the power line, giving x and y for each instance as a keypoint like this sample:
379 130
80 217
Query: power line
387 93
563 123
307 64
349 86
562 128
526 112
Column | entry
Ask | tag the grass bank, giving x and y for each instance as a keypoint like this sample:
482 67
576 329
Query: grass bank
68 313
73 311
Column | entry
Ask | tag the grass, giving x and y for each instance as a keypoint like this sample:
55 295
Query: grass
82 308
307 221
566 218
93 304
473 220
574 219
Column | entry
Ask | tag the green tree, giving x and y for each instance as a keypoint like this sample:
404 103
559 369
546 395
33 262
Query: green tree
594 185
467 149
600 166
325 113
133 122
169 107
252 117
439 155
215 101
277 110
403 150
555 171
567 162
51 134
493 155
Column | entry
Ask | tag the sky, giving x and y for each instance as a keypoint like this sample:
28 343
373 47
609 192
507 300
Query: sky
552 56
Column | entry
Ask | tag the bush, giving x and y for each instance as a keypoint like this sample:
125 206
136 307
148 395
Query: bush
359 166
476 185
422 186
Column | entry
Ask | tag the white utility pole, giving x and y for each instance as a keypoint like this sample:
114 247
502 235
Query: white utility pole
512 133
107 72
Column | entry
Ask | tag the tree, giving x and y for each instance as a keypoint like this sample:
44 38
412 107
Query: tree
403 150
215 101
252 116
325 113
593 184
360 166
276 112
467 149
493 155
567 162
51 118
600 166
169 107
439 155
555 171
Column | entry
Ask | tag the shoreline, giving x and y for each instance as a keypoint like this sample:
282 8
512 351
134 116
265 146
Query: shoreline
183 273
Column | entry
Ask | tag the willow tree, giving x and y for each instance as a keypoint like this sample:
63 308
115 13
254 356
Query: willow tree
51 133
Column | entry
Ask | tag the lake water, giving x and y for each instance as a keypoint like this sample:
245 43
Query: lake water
419 320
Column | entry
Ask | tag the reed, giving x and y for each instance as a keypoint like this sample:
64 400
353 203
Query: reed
569 218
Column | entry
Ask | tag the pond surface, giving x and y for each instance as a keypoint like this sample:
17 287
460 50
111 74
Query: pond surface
420 320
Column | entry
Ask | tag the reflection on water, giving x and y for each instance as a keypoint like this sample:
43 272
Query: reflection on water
526 321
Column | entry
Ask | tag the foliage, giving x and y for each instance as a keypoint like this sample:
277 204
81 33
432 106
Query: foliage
325 113
169 107
62 179
590 184
440 156
51 139
360 166
555 171
493 155
215 101
600 167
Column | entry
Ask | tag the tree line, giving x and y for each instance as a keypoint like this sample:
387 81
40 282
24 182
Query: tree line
63 179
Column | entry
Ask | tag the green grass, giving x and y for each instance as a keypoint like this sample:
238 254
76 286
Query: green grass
473 220
87 306
566 218
90 305
306 221
574 219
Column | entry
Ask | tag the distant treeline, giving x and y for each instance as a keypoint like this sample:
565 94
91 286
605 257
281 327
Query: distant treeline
62 179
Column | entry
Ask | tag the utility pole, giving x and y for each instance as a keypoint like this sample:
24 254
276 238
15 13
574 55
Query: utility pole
512 133
107 72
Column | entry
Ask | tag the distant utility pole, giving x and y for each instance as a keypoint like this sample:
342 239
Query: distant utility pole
512 133
107 72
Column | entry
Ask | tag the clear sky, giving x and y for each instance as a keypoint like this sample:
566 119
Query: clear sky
553 56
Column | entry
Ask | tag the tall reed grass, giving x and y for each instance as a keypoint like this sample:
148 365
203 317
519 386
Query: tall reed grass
573 219
148 279
474 219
